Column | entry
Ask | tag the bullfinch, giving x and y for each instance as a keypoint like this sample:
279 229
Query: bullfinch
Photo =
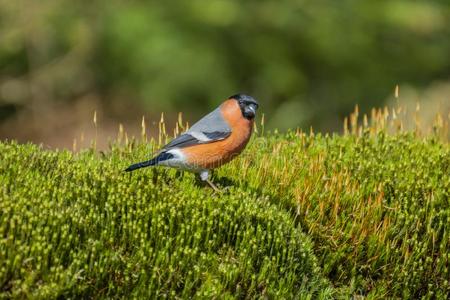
213 141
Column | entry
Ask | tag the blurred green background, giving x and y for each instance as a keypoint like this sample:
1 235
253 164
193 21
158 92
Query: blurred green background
307 62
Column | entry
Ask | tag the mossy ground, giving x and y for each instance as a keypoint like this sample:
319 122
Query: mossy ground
306 216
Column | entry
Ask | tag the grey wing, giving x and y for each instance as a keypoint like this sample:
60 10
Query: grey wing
210 128
212 122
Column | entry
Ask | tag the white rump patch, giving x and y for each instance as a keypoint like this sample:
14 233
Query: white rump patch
178 161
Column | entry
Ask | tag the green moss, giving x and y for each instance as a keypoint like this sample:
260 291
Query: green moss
305 217
77 226
376 207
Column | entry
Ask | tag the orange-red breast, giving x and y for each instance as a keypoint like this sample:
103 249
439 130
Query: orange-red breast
211 142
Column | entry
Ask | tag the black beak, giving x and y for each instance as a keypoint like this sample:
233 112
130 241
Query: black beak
250 111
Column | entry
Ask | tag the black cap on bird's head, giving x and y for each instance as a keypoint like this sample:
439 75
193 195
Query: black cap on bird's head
247 104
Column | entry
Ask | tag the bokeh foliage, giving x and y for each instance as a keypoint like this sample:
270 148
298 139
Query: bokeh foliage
308 62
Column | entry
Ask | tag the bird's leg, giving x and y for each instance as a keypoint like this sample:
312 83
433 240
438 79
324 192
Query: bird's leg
204 176
215 188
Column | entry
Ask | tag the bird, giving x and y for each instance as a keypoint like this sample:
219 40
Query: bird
214 140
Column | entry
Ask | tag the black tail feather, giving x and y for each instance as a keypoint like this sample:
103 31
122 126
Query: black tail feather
152 162
139 165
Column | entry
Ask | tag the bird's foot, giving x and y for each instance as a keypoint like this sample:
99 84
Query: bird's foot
219 189
213 186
